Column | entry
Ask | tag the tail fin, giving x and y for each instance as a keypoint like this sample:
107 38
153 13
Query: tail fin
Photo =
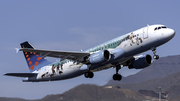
34 60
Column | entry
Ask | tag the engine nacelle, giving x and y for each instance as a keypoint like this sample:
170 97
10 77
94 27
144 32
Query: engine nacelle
100 57
141 62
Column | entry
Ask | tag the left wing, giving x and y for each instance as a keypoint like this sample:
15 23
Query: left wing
21 74
58 54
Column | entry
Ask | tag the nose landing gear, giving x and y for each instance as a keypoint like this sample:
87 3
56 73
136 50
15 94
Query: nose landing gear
154 52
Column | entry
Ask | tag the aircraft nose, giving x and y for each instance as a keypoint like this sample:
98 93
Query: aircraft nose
170 33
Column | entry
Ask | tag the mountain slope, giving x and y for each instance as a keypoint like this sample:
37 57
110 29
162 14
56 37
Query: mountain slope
175 99
159 68
86 92
98 93
11 99
170 83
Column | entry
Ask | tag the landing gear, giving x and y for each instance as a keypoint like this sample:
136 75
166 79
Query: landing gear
154 52
89 74
117 76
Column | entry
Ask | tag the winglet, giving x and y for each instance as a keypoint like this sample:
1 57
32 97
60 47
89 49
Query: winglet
17 50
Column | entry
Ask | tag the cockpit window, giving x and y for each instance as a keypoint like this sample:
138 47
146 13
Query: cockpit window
155 28
164 27
158 28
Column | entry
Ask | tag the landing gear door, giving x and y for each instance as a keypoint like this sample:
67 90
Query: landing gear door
145 32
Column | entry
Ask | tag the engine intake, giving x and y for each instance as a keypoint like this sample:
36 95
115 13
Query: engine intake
100 57
141 62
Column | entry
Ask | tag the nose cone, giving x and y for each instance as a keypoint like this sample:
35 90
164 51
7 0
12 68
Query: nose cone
170 33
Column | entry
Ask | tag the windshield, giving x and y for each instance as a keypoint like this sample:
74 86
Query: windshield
160 27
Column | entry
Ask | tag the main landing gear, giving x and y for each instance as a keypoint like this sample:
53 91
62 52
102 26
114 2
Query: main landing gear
117 76
154 52
89 74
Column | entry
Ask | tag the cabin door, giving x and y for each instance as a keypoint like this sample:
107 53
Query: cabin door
145 32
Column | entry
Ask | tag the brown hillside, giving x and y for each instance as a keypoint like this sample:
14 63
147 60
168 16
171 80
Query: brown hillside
159 68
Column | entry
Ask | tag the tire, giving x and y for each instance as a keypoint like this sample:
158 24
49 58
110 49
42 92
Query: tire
86 74
117 77
156 57
114 77
91 74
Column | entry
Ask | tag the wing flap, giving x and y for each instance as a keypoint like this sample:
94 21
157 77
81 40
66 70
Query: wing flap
21 74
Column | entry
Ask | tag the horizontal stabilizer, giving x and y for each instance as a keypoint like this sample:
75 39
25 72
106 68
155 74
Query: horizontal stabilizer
21 74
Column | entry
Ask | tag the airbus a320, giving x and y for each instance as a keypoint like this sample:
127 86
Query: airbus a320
117 53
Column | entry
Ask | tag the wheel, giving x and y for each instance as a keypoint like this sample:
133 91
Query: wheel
91 74
156 57
114 77
86 74
117 77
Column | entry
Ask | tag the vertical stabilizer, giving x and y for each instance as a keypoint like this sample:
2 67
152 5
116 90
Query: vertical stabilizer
34 60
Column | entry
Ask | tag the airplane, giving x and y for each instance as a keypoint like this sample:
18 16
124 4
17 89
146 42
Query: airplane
116 53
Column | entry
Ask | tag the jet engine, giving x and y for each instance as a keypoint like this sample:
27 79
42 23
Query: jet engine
141 62
100 57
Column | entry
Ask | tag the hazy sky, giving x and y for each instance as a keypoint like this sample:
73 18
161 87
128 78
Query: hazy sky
72 25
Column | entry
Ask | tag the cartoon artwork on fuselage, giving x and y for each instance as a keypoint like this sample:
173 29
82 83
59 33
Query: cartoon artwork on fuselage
52 70
131 40
136 37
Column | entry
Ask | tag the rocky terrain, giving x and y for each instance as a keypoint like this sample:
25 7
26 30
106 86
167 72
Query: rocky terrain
159 68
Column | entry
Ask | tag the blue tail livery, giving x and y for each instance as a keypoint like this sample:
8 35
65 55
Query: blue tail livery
34 61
